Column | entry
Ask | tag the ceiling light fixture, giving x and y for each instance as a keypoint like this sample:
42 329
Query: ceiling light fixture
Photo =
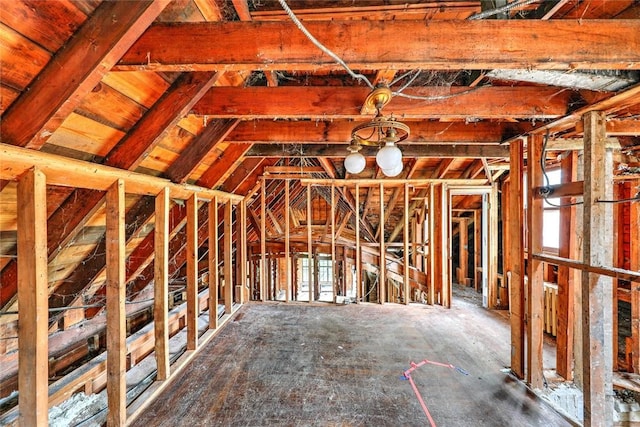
382 132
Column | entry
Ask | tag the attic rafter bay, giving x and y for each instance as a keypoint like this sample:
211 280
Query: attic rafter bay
455 44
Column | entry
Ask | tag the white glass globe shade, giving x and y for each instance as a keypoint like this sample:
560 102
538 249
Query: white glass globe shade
393 172
389 157
354 163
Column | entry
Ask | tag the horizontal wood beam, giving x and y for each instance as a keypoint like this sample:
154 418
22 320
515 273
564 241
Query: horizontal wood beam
417 151
573 144
570 189
390 182
399 44
322 102
619 273
68 172
339 132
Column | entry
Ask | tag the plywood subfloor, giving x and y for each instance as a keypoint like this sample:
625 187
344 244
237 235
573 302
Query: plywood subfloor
326 365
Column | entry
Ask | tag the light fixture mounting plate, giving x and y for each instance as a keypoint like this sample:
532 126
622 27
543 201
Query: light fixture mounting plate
377 99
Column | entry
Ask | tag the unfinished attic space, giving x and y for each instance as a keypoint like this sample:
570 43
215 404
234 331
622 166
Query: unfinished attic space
320 213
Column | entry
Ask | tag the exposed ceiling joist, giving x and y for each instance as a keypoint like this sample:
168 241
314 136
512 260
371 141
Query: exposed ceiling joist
418 151
345 102
460 44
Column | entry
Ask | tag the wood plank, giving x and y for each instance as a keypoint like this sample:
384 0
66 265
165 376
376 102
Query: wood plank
338 132
116 311
68 172
325 102
334 266
233 156
597 292
174 104
242 248
564 189
493 248
516 257
214 274
535 297
526 43
444 223
477 248
408 150
309 244
88 55
436 244
210 137
566 276
358 255
382 278
228 258
161 285
405 241
263 242
32 299
192 272
634 264
287 239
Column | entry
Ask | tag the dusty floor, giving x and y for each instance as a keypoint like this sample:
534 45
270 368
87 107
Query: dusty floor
325 365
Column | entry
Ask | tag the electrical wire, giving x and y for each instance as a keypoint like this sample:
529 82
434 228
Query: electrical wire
320 46
546 191
359 76
505 8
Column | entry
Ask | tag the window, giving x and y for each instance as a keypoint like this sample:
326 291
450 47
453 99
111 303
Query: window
551 216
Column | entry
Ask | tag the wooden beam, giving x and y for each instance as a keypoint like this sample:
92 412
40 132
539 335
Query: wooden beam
174 104
452 151
516 257
392 182
334 272
597 292
287 239
161 285
444 223
228 258
226 163
382 279
191 157
214 273
116 311
477 248
242 247
263 242
634 265
566 276
492 248
33 375
535 297
101 41
192 273
339 131
436 241
405 241
326 102
620 273
359 293
67 172
242 10
564 189
309 244
531 44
